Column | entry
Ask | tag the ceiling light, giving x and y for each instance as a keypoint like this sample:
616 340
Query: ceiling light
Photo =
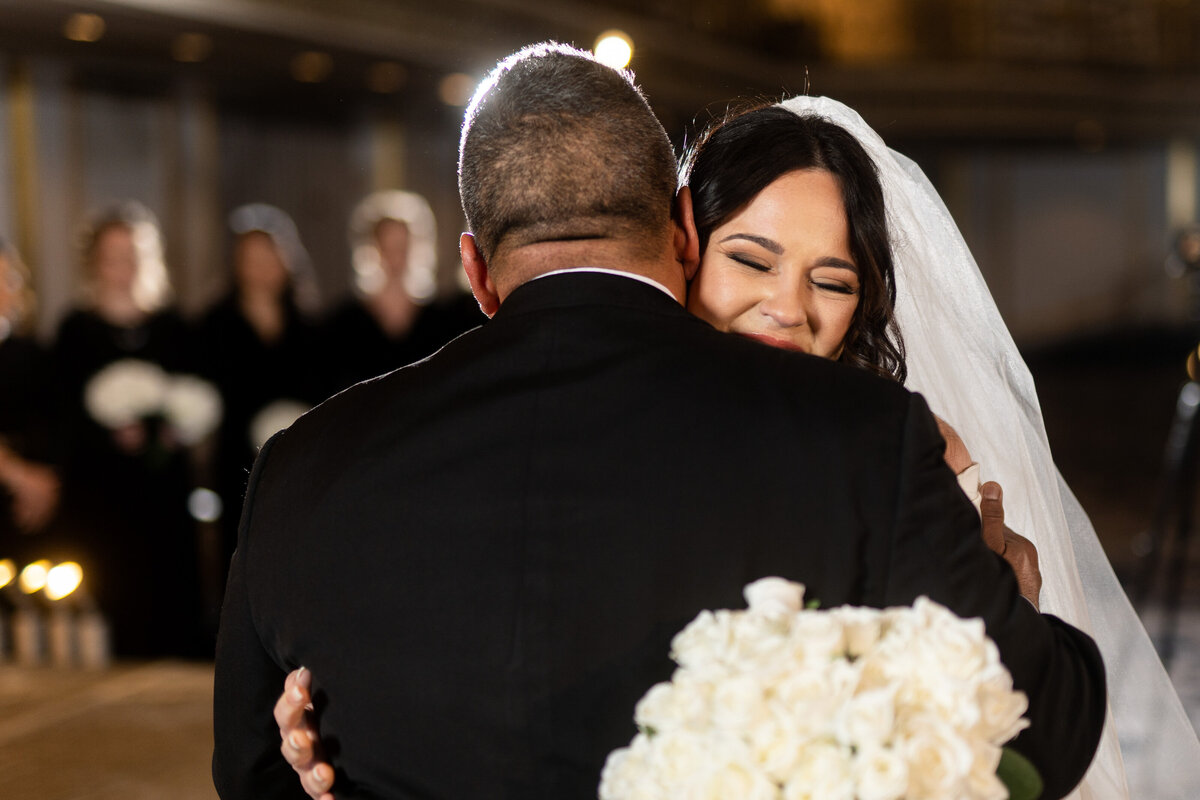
311 66
614 48
191 48
84 27
456 89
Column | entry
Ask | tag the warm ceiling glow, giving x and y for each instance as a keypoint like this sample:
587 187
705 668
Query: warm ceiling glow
33 577
8 571
191 48
84 27
63 579
456 89
386 77
614 48
311 66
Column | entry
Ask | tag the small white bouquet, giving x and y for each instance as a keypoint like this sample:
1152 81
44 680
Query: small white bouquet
274 417
125 392
131 392
193 408
779 702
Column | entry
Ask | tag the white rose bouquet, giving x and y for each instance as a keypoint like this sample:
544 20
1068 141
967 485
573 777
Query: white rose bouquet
274 417
193 408
131 392
125 392
780 702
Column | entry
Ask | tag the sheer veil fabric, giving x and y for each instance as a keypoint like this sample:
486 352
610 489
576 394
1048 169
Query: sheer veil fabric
962 359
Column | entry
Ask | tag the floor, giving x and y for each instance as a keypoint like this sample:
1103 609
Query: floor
133 732
142 731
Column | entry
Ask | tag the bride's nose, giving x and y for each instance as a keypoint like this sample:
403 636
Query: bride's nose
786 308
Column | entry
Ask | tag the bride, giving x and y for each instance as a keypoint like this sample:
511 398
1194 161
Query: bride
809 266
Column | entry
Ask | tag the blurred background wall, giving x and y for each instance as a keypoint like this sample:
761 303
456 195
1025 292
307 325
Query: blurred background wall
1062 133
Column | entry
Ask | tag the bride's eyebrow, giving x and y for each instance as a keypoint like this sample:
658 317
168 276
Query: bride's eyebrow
839 263
762 241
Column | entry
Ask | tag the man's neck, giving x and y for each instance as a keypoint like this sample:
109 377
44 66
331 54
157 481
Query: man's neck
521 264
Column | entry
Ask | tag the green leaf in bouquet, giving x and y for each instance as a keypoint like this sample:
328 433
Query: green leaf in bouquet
1019 776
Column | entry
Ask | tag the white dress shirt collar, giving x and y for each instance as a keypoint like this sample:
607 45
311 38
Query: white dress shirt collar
619 273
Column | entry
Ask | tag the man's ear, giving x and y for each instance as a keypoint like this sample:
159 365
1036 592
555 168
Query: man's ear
687 241
478 276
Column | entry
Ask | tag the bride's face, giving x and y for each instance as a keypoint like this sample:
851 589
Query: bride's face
780 270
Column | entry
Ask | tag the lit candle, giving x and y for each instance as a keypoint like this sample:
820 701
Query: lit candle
8 572
61 582
28 630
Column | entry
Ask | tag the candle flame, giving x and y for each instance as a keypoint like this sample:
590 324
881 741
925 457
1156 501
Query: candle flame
33 577
63 579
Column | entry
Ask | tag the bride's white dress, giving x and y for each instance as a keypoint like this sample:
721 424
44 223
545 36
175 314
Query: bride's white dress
962 359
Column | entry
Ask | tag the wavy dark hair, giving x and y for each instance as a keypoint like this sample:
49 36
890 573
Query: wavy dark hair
739 155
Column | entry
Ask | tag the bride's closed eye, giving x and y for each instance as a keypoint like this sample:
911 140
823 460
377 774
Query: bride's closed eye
747 261
836 287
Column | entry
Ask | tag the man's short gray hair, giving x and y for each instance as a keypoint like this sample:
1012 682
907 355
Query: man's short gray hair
556 145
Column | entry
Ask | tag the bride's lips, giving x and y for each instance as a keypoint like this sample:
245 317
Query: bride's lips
771 341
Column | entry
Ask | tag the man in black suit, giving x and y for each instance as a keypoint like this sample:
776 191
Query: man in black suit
482 558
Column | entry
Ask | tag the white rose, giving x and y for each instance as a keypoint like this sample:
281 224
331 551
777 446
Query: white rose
775 747
728 779
193 407
675 756
761 645
704 641
887 663
862 627
817 636
823 772
938 760
691 699
954 701
737 703
124 392
656 709
879 774
1001 710
621 772
627 775
955 646
810 697
867 719
774 597
982 780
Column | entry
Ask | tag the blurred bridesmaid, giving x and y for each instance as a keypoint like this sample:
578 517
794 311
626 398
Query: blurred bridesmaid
259 345
127 480
394 318
29 484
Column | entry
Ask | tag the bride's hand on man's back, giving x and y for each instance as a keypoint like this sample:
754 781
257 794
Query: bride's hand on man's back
301 745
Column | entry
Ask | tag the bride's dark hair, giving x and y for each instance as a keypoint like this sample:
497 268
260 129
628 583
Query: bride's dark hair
738 156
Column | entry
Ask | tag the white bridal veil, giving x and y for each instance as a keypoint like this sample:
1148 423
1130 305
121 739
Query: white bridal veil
962 359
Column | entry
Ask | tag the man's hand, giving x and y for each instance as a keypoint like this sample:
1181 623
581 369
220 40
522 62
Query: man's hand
1018 551
300 744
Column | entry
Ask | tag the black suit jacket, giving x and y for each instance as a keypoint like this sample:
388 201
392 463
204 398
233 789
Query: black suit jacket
482 557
